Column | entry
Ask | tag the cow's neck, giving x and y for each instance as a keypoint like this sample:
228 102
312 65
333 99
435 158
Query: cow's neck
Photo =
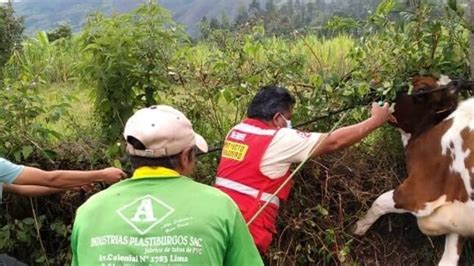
423 125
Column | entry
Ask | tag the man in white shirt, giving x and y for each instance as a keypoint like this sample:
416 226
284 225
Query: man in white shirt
258 153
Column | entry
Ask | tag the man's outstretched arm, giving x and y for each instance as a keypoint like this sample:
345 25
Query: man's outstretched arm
31 190
67 179
349 135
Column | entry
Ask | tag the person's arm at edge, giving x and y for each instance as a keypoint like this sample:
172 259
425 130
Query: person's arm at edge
31 190
241 249
347 136
67 179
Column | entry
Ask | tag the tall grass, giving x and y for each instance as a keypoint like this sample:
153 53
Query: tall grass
326 56
42 61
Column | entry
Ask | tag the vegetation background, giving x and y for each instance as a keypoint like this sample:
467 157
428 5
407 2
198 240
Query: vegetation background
65 93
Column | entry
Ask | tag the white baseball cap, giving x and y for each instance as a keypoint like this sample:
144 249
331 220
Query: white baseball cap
163 130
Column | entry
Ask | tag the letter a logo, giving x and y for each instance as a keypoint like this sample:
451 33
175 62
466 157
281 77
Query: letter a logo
145 210
145 213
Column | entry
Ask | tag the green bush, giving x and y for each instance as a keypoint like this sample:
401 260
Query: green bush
400 45
126 58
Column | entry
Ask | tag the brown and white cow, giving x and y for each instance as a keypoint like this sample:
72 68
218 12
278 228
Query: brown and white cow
438 135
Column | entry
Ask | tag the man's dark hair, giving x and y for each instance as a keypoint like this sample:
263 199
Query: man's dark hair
171 162
269 101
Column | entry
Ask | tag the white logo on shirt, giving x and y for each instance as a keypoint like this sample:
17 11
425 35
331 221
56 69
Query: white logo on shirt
238 136
145 213
145 209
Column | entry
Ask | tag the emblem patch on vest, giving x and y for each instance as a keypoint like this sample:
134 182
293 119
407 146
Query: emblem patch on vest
145 213
238 136
234 151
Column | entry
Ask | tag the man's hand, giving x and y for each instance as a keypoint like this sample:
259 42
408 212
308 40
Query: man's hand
380 114
111 175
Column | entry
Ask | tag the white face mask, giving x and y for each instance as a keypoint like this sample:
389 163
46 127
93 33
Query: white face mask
288 122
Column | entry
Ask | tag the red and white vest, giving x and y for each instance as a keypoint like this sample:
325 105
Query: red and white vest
239 168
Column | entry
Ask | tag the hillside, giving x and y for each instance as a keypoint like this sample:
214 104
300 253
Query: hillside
46 15
190 12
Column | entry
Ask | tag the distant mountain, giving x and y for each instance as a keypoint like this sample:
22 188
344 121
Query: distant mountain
190 12
48 14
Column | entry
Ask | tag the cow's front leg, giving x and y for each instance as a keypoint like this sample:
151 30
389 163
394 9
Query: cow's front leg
452 250
382 205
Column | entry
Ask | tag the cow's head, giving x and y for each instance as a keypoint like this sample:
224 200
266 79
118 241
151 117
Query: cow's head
428 104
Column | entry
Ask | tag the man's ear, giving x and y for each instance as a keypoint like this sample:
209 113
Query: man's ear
184 158
275 119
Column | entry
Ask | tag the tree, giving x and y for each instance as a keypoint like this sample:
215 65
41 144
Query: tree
242 16
254 7
214 25
11 31
225 21
310 9
63 31
270 6
204 28
300 10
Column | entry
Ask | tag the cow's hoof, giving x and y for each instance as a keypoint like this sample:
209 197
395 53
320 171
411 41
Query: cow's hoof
360 228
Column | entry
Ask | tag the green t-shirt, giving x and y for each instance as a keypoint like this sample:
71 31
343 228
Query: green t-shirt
161 221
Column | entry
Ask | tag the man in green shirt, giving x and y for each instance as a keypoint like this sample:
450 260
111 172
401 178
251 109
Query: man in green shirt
160 216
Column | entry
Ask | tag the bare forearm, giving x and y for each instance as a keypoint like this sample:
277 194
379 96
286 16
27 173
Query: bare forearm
31 191
349 135
69 179
57 179
346 136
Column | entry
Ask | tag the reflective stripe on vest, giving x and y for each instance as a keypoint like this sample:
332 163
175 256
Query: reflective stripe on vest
227 183
254 130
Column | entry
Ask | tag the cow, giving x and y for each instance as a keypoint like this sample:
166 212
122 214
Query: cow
438 137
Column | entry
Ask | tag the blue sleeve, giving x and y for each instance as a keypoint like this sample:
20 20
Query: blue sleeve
9 171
